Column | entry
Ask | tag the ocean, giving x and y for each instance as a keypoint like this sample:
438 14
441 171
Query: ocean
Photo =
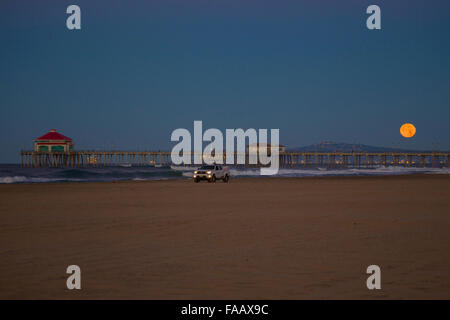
11 173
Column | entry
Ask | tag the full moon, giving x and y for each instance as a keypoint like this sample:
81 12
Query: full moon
408 130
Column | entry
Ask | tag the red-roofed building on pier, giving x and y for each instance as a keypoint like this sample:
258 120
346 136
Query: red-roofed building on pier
53 142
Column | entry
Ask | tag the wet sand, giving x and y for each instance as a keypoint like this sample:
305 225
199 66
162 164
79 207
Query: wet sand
271 238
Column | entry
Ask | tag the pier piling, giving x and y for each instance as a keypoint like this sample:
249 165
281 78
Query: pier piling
76 159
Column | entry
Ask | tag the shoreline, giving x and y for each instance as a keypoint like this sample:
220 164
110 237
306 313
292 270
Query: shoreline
238 178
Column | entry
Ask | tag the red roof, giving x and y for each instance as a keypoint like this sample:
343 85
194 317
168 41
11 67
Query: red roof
53 135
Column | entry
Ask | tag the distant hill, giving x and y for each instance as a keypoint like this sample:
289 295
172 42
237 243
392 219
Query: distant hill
345 147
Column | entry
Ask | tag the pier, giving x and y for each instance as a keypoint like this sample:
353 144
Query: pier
75 159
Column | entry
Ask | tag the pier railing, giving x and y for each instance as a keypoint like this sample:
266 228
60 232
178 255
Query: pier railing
34 159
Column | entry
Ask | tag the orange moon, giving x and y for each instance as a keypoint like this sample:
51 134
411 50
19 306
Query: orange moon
408 130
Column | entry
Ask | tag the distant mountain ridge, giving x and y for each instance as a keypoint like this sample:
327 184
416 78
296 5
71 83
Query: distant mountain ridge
329 146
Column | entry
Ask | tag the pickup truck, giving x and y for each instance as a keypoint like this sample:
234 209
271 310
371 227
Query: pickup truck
211 173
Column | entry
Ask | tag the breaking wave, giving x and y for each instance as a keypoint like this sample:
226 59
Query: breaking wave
10 174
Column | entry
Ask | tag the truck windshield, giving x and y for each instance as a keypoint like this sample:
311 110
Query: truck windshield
207 168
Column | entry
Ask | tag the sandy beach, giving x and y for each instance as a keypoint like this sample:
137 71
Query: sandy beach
261 238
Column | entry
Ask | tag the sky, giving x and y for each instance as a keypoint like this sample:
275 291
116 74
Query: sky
137 70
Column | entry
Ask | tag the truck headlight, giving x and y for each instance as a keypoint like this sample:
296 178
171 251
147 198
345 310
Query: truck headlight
208 172
195 172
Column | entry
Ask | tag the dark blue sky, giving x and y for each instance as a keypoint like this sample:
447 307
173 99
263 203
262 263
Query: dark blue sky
140 69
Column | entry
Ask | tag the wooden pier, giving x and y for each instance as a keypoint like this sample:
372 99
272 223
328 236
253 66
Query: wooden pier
34 159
